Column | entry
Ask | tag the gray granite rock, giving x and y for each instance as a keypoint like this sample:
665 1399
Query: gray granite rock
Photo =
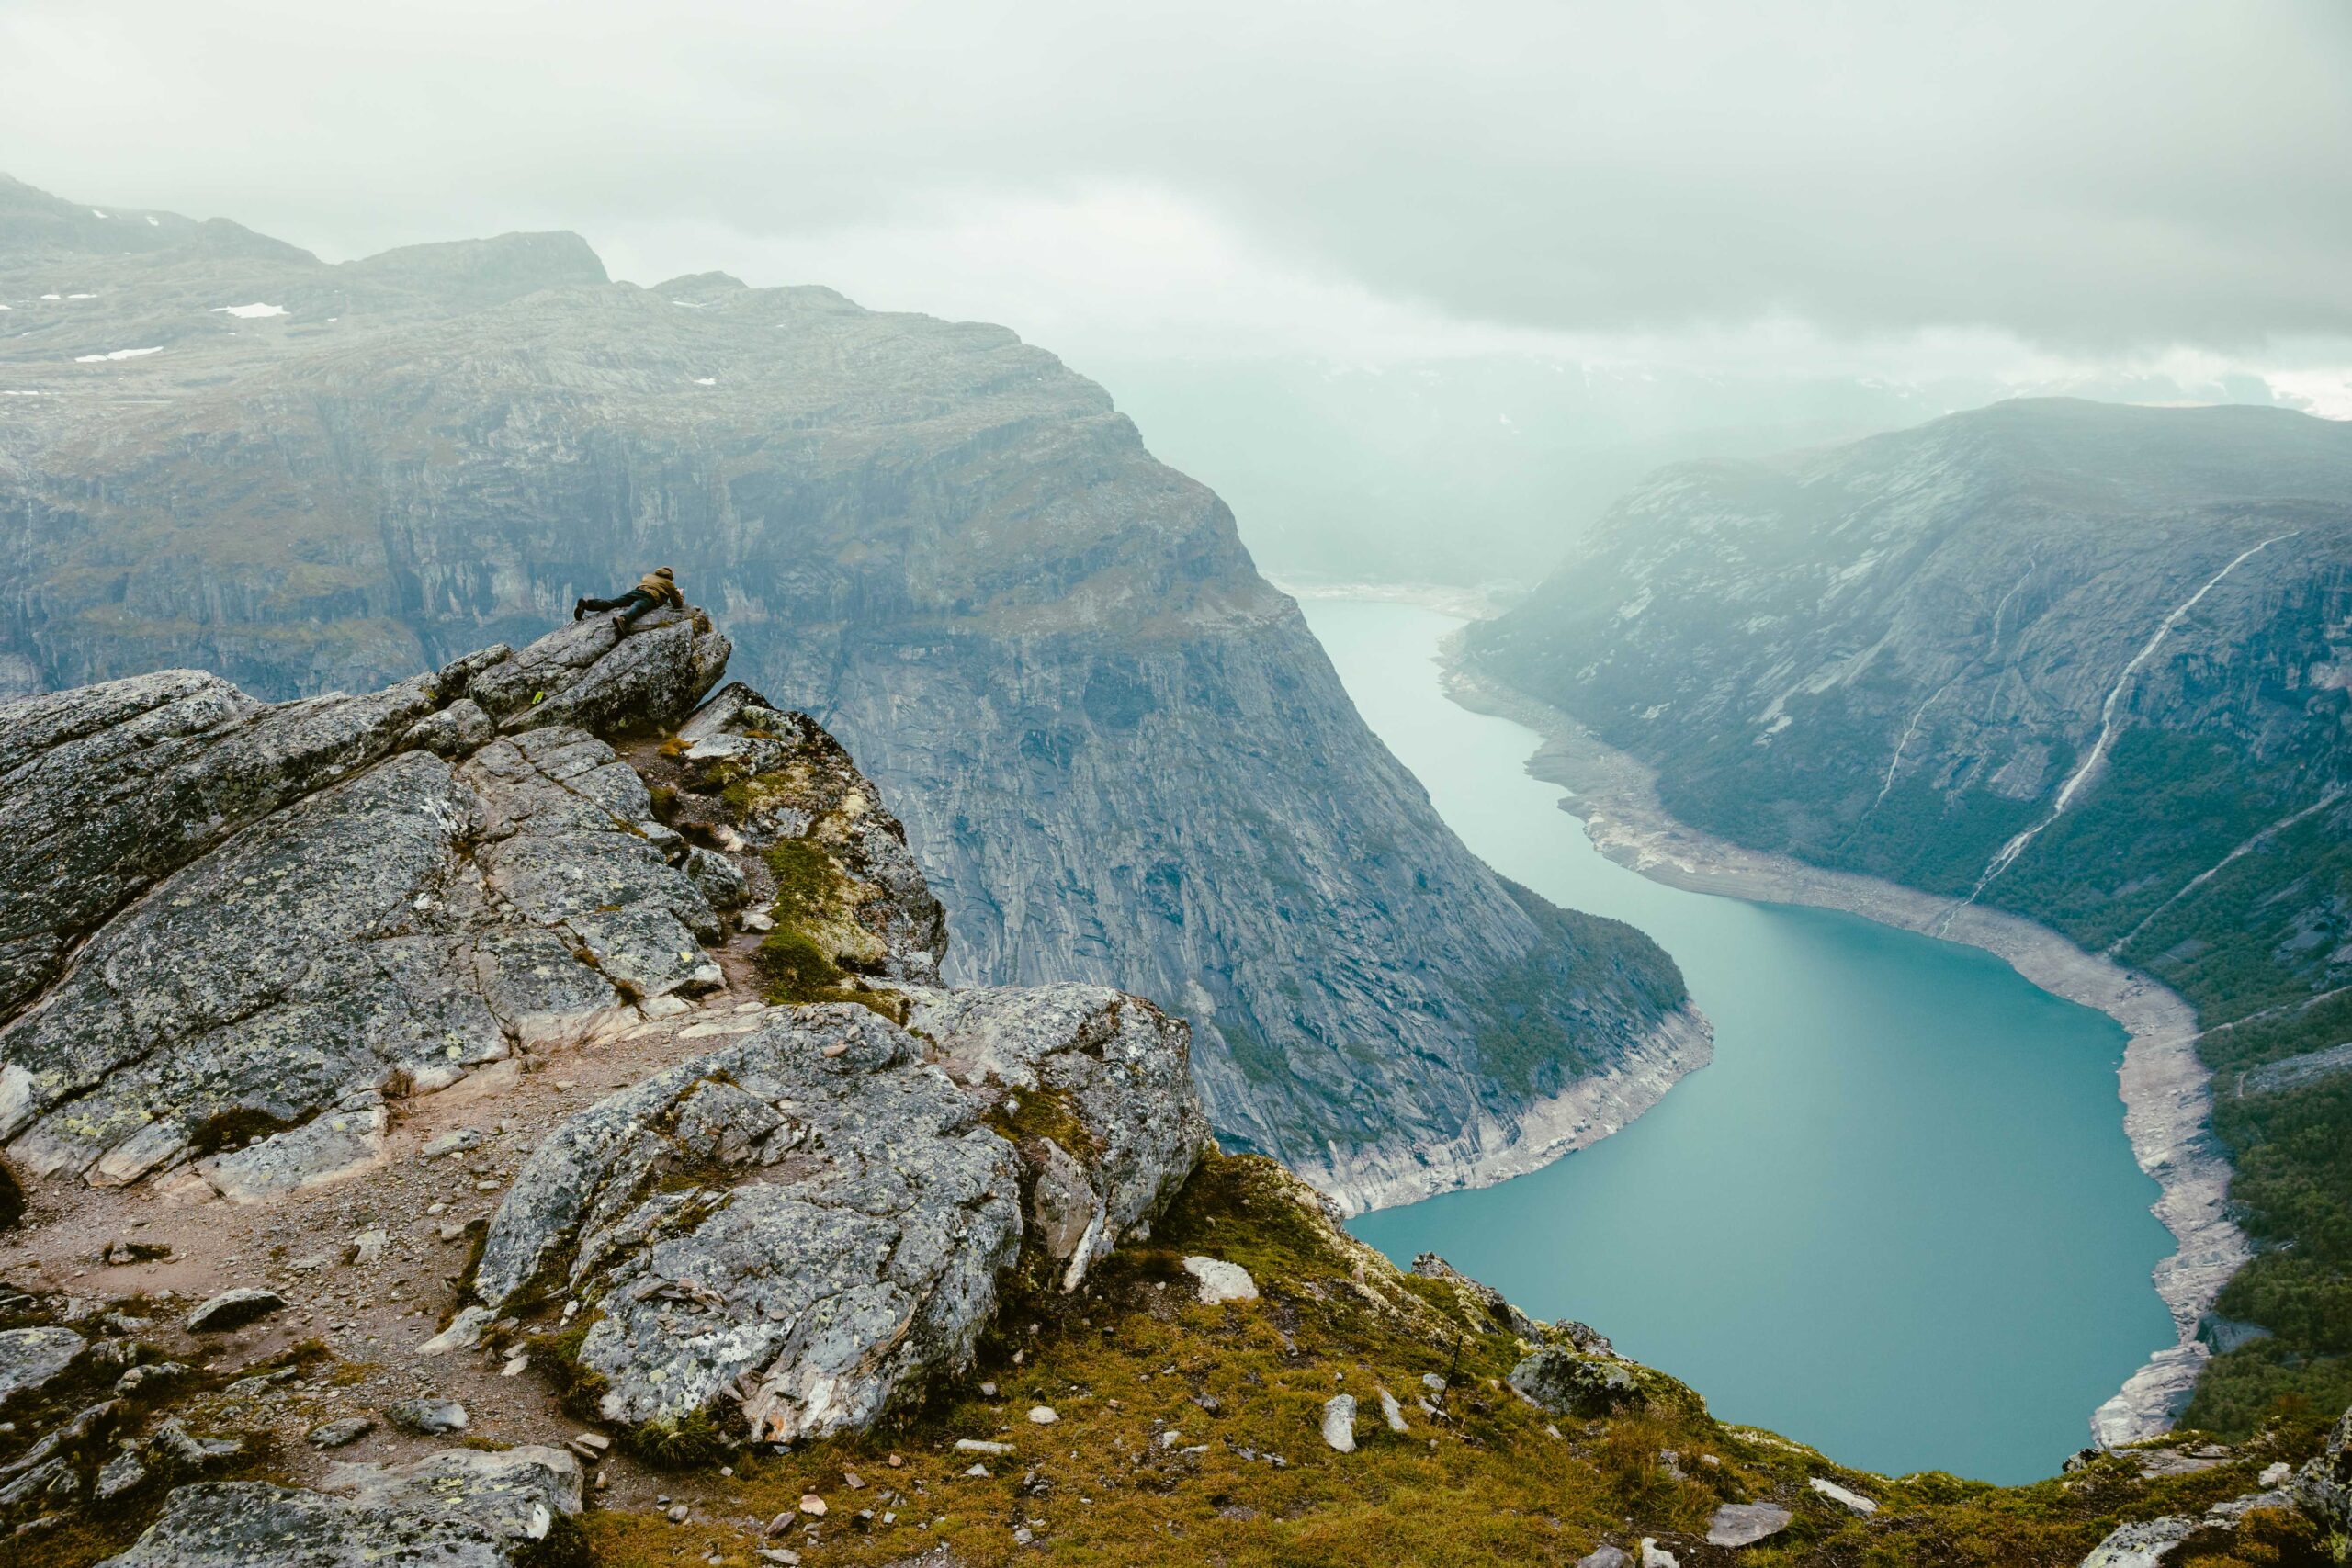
1567 1383
1115 1064
426 1417
1745 1524
769 1229
331 917
1340 1423
234 1309
457 1509
31 1358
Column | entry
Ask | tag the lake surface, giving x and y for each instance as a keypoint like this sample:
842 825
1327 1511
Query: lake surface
1897 1219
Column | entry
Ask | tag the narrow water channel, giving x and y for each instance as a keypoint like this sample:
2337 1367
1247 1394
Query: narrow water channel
1897 1219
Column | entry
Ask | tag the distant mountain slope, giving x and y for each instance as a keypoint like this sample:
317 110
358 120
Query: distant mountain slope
1125 757
2089 663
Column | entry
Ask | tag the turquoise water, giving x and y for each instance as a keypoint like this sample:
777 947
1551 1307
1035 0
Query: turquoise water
1897 1219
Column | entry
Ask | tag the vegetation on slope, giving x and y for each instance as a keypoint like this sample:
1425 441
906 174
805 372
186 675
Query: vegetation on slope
1189 1432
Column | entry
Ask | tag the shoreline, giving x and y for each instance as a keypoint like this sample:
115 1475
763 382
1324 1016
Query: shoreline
2164 1086
1492 1150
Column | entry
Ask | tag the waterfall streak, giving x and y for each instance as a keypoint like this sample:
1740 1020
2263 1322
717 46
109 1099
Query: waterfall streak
1908 731
2106 723
2210 871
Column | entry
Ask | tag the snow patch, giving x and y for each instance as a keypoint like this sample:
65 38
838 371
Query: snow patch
687 304
153 224
81 297
96 213
117 354
248 313
706 381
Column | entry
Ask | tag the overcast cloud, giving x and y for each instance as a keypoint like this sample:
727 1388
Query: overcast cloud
2045 179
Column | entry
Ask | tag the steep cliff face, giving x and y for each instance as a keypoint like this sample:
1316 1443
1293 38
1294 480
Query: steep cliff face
1124 756
2084 663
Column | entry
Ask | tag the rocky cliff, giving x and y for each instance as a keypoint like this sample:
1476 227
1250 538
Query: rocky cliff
1122 756
2086 664
513 1120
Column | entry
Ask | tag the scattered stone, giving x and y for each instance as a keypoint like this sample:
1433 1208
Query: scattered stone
1436 1385
1221 1281
1392 1412
149 1376
981 1446
812 1504
456 1142
259 1384
30 1359
1836 1494
121 1253
979 1470
341 1434
596 1441
368 1246
783 1554
1656 1556
234 1309
1340 1422
464 1332
175 1450
1043 1416
118 1476
426 1417
677 1513
1568 1383
1745 1524
1584 1337
1606 1557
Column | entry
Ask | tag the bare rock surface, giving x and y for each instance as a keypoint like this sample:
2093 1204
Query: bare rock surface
351 917
1569 1383
457 1509
797 1224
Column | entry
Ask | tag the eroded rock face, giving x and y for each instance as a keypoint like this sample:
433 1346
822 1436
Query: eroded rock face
784 1232
295 906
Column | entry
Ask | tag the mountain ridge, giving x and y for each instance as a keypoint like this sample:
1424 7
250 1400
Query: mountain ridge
1127 759
2072 662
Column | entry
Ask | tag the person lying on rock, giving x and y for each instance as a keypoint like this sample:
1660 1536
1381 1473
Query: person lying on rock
653 590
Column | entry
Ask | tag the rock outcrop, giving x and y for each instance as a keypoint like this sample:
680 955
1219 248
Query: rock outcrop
329 900
1122 758
340 905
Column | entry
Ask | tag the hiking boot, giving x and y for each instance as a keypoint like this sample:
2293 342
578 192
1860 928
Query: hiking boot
578 608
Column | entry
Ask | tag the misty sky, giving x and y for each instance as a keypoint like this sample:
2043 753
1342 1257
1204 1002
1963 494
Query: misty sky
1881 188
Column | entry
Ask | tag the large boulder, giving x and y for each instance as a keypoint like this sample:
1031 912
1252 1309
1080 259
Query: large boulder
784 1232
1568 1383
